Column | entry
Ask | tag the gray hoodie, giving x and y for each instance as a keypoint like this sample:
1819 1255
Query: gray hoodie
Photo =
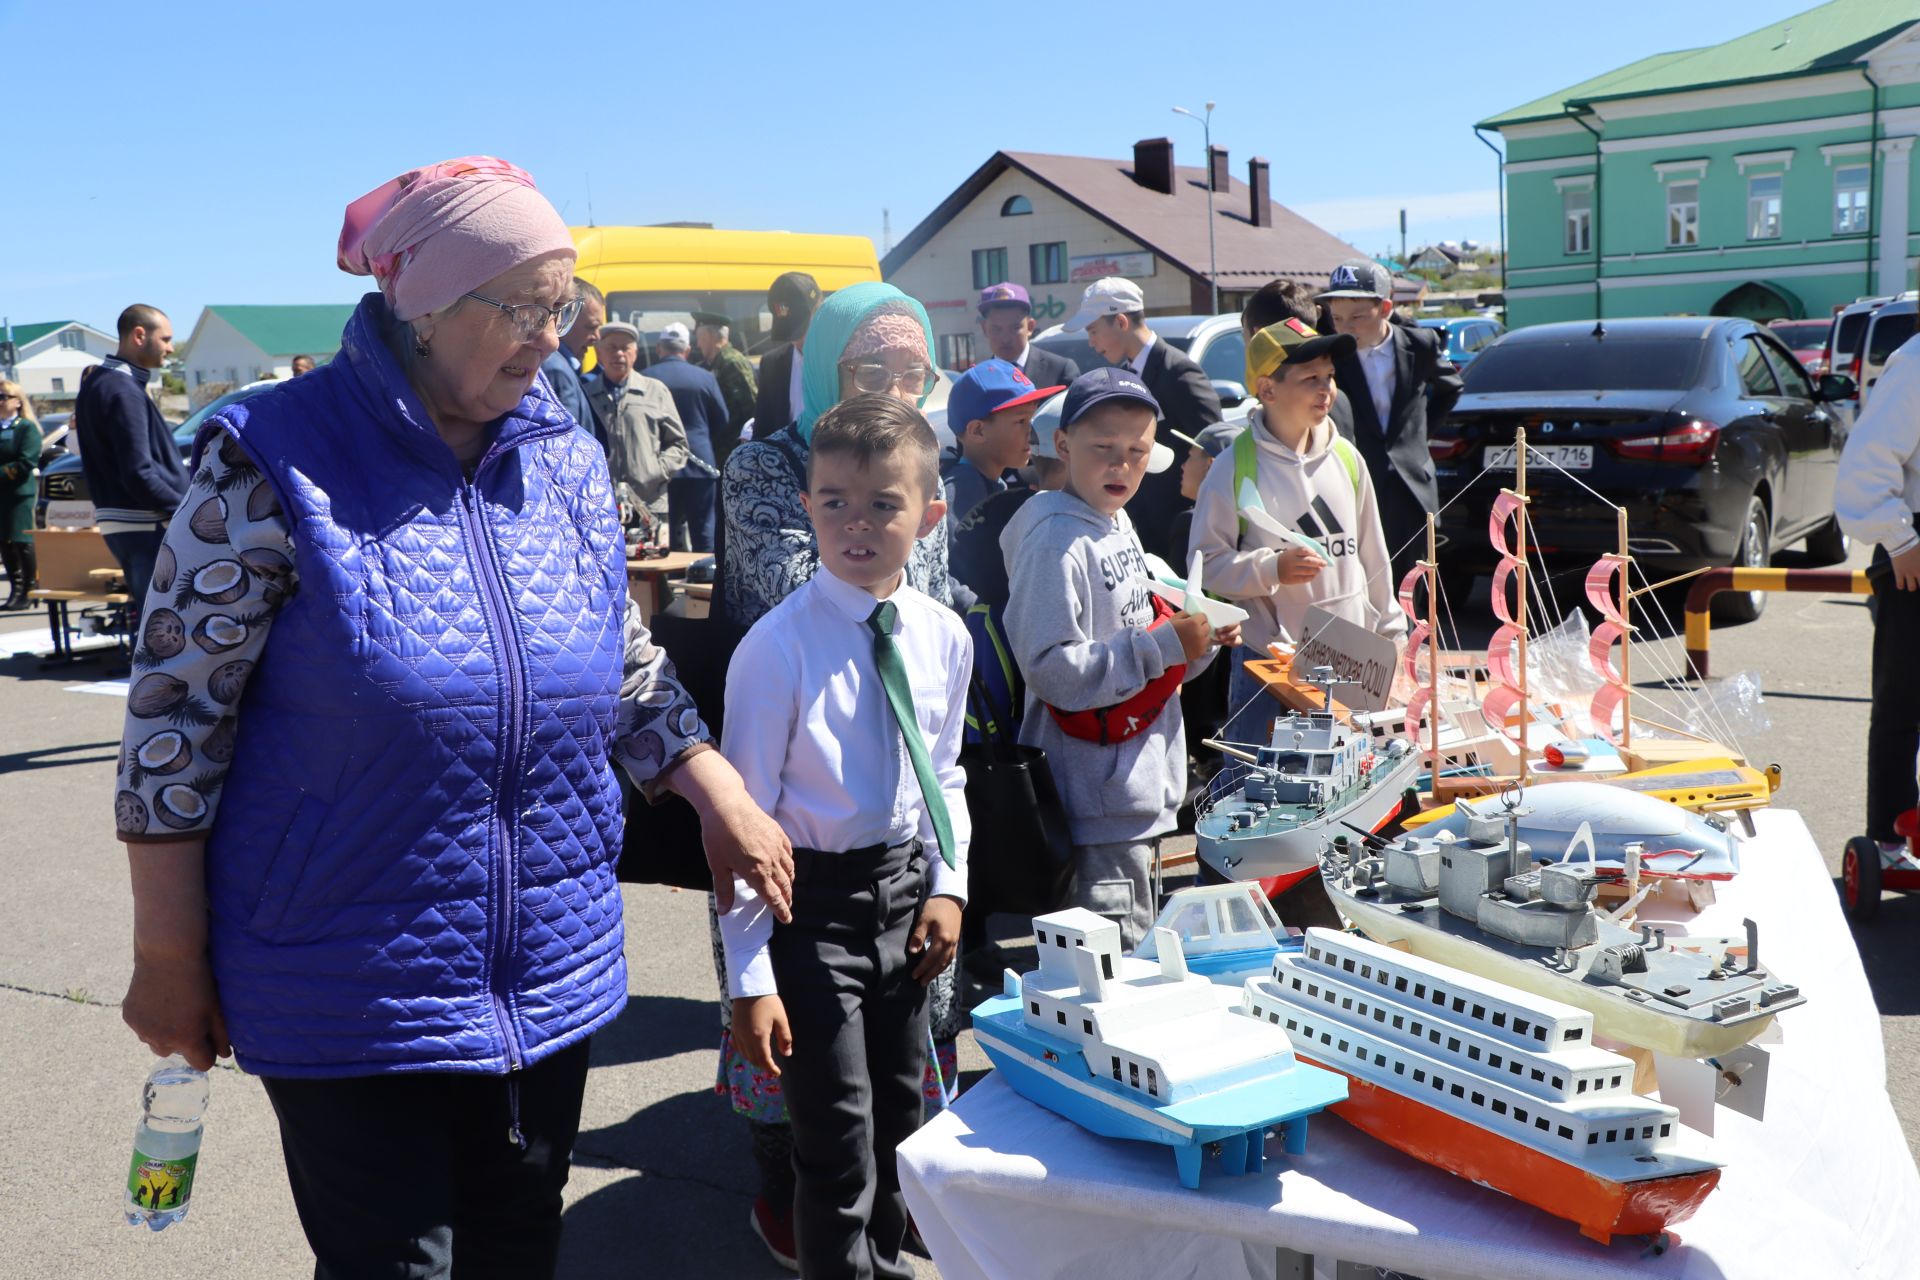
1077 617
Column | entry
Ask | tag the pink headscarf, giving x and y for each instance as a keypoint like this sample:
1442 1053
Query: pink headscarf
432 234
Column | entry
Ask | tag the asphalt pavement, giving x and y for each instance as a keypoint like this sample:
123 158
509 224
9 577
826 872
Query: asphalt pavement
662 1181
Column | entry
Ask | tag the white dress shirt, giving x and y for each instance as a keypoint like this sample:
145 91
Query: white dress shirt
809 728
1026 349
1377 363
1139 363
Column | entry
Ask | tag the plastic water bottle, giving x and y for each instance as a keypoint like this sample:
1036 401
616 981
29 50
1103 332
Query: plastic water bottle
166 1144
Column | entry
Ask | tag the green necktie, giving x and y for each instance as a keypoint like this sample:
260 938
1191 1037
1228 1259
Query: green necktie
893 678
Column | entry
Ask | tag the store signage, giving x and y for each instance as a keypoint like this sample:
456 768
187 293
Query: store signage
1131 265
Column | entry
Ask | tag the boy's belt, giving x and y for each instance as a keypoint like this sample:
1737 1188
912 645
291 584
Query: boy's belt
855 866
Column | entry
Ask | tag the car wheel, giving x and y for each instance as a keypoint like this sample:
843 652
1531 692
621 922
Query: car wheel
1755 552
1828 544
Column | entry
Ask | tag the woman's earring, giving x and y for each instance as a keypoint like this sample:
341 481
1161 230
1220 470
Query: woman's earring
420 347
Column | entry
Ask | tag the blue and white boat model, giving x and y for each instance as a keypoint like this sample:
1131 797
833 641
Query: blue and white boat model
1147 1050
1228 932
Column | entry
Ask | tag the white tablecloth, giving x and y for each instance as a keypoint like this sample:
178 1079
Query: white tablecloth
1824 1187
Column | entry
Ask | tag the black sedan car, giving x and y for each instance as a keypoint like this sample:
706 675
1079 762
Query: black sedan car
1707 430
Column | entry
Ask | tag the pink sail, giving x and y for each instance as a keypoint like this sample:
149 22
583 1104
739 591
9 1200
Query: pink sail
1503 574
1600 588
1500 700
1500 655
1416 708
1600 650
1410 664
1407 584
1502 511
1606 701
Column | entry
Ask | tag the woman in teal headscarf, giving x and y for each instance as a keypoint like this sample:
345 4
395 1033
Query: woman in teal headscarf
865 338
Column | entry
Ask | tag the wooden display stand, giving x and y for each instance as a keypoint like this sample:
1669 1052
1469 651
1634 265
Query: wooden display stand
648 578
75 567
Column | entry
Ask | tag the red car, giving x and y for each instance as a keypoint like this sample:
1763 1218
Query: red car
1807 339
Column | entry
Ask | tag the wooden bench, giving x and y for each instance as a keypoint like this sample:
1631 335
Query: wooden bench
76 568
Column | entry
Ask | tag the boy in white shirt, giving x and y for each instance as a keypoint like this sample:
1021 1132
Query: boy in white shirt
845 708
1303 474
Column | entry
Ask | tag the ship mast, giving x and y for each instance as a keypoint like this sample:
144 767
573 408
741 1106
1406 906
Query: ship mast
1519 492
1626 634
1432 565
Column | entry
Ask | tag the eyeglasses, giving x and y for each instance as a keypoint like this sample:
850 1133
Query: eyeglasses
873 376
530 318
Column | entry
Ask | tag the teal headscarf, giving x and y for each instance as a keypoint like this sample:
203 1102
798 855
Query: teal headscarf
832 327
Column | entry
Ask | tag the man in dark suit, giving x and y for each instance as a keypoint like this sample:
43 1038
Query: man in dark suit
792 299
1113 313
703 412
1279 300
1006 321
1400 381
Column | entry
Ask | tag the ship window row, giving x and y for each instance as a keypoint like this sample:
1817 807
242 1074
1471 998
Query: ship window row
1453 1044
1440 997
1599 1083
1133 1075
1059 939
1626 1134
1442 1085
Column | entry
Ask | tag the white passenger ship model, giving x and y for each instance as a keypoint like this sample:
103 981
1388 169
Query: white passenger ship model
1488 1082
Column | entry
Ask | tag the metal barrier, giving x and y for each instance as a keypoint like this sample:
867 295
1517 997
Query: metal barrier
1714 581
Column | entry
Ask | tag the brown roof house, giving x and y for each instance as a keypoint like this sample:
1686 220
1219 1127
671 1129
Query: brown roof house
1054 223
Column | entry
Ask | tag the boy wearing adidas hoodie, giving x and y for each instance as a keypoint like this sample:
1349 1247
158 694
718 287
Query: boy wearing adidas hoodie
1293 465
1103 659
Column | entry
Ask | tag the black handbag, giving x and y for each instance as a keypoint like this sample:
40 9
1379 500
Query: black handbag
1020 859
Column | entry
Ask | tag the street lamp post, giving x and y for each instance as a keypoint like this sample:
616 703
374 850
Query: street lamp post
1213 261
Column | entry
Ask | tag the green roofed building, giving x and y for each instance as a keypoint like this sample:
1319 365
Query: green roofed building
1770 176
234 345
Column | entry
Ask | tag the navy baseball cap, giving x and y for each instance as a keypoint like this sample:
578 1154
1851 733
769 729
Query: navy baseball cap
1005 294
1097 386
987 388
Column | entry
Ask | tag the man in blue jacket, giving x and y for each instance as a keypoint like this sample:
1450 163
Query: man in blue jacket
133 468
696 395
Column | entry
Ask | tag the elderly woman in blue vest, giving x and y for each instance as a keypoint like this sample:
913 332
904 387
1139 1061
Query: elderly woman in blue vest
866 337
385 673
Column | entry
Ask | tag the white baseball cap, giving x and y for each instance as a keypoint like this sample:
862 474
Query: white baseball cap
676 333
1107 296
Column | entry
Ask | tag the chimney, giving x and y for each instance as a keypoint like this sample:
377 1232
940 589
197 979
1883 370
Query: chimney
1261 214
1153 164
1217 178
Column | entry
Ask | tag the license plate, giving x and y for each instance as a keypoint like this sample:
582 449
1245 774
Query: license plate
70 513
1572 457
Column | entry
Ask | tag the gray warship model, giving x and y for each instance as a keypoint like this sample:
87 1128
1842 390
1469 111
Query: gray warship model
1478 902
1267 817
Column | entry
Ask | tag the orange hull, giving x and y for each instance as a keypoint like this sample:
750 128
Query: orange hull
1600 1207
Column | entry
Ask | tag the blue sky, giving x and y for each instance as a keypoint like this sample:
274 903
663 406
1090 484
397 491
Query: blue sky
203 152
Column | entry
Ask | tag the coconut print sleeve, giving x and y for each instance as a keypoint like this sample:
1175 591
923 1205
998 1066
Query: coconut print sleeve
657 726
225 568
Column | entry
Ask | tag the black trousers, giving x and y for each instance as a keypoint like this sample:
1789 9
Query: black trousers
690 513
1893 727
859 1024
414 1177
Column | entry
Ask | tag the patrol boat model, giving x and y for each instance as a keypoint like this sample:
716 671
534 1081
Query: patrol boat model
1268 819
1481 905
1487 1082
1146 1050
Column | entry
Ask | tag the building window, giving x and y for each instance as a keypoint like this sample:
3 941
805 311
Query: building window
1577 210
1683 213
1014 207
1850 183
199 377
1048 262
59 385
73 339
1763 206
989 267
956 352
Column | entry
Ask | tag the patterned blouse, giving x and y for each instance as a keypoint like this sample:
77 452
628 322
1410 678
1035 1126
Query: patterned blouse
224 570
770 547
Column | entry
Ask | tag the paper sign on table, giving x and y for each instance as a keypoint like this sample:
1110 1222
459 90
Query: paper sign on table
1354 653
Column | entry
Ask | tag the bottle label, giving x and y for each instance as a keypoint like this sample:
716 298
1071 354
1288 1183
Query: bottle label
161 1185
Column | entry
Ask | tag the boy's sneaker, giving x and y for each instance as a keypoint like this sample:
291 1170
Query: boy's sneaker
776 1232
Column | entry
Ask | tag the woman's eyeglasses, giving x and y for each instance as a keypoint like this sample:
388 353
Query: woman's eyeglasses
529 318
872 376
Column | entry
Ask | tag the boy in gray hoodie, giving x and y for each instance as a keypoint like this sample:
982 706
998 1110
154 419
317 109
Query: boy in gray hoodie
1102 657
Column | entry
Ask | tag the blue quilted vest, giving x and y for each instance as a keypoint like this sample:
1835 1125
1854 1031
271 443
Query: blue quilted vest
411 868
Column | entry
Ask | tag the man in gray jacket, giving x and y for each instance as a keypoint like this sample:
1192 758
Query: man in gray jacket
646 443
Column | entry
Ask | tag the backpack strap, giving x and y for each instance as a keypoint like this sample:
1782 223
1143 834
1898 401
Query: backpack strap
1246 467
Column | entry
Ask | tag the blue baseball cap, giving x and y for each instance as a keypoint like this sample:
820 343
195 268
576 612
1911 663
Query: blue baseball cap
987 388
1096 386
